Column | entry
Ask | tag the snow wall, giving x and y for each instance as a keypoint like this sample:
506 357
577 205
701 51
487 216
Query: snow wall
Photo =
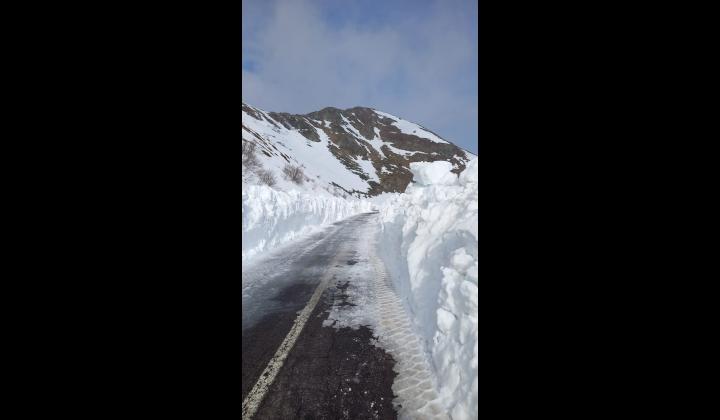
271 218
429 243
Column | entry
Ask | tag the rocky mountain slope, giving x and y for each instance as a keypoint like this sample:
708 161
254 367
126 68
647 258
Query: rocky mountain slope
357 151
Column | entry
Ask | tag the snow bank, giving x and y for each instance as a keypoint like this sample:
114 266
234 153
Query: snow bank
271 217
429 243
433 173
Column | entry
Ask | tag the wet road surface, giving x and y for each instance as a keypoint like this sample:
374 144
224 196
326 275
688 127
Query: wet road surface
329 373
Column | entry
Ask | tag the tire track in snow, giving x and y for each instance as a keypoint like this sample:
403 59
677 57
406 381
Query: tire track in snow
414 386
377 305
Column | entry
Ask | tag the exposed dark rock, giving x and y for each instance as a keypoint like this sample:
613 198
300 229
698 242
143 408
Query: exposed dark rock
393 168
298 123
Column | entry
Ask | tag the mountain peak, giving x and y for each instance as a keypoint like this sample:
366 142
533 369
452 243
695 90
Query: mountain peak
359 150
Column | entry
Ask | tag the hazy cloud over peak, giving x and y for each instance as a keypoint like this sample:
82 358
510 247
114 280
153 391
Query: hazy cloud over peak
414 59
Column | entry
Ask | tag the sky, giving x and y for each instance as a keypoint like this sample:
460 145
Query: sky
416 59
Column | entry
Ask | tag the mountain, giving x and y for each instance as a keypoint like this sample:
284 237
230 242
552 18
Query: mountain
357 151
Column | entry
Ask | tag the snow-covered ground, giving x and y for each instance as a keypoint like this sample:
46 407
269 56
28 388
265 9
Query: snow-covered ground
429 243
425 242
427 239
271 218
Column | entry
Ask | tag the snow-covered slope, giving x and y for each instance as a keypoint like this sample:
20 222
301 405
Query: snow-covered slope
354 152
429 243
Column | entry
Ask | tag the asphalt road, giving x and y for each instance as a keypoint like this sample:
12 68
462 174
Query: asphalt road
292 366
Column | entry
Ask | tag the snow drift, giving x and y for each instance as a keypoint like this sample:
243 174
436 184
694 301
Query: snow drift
429 243
271 218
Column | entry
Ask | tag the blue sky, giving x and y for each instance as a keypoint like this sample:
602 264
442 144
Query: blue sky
416 59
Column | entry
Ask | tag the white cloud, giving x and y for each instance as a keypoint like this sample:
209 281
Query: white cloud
423 69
